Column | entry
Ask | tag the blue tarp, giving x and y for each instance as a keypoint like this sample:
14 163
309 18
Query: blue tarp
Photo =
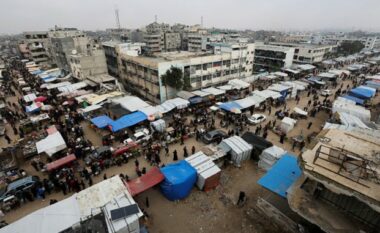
353 98
361 93
36 72
195 100
127 121
282 175
373 84
369 89
101 121
179 180
229 106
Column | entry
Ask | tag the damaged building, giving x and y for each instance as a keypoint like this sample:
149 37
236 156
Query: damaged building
339 190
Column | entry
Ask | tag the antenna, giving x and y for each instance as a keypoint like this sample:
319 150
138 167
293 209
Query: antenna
155 18
201 21
117 17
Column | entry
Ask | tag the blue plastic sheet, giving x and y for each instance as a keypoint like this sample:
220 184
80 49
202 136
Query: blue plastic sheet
195 100
101 121
229 106
282 175
179 180
127 121
361 93
353 98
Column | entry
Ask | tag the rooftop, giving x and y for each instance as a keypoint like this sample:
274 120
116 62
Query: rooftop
347 162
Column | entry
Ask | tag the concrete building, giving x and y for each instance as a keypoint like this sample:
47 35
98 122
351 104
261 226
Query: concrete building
142 75
340 187
65 42
90 63
154 43
272 57
371 42
307 53
196 42
38 44
113 51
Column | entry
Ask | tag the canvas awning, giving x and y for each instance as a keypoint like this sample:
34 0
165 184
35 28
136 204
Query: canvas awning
131 103
29 98
238 84
127 121
214 91
150 179
229 106
306 67
201 93
51 144
60 162
266 94
185 95
72 87
101 121
281 74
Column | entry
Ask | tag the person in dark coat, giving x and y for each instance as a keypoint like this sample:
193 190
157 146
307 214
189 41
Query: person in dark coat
175 155
185 153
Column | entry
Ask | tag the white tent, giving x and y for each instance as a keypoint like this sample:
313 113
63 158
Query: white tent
281 74
214 91
239 149
52 218
201 93
51 144
238 84
270 156
287 124
171 104
351 120
131 103
72 87
250 101
266 94
299 111
226 87
29 98
350 107
55 85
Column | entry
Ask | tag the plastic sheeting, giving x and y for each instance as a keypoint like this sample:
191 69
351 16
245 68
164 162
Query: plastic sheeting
159 125
361 93
35 107
269 156
239 149
131 103
238 84
101 121
348 106
127 121
282 175
214 91
150 179
60 162
29 98
179 180
229 106
51 144
355 99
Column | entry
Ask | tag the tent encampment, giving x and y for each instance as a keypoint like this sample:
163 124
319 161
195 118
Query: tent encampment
239 149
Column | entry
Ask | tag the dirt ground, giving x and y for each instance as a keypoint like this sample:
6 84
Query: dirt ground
213 211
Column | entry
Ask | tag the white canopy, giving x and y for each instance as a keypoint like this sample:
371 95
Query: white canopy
201 93
250 101
131 103
238 84
72 87
55 85
278 87
51 144
281 74
327 75
240 150
30 97
226 87
266 94
214 91
306 67
300 111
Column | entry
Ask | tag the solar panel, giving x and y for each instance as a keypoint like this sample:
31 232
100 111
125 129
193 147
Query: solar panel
124 212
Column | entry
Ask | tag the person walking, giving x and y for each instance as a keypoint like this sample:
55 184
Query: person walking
185 153
166 150
175 156
193 150
241 198
7 138
309 125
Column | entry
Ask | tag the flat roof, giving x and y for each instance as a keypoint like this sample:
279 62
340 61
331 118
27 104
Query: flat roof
357 147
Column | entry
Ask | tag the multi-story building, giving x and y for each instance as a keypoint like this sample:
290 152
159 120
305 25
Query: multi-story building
307 53
65 42
90 63
372 42
340 187
113 51
154 43
272 57
142 75
196 42
38 45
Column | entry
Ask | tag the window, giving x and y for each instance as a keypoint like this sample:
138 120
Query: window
296 51
309 51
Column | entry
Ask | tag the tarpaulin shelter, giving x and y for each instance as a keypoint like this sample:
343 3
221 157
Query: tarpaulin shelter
51 144
269 156
40 99
29 98
101 121
123 149
151 112
348 106
373 84
131 103
238 84
229 106
250 101
72 87
185 95
361 93
282 175
127 121
34 107
287 124
179 180
145 182
239 149
171 104
214 91
159 125
60 162
355 99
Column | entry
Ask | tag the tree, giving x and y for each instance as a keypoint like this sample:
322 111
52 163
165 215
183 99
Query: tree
173 78
350 47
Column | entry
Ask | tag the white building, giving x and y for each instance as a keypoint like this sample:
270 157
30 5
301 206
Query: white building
142 75
88 64
273 57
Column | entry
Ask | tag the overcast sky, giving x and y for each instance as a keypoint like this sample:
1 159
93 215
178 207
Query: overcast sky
26 15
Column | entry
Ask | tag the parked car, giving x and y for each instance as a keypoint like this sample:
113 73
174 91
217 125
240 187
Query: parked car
256 118
18 186
214 136
139 137
326 92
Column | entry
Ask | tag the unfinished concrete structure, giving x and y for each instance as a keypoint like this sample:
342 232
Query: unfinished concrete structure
340 187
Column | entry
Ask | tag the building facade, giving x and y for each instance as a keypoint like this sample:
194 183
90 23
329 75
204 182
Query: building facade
91 63
38 46
272 57
142 75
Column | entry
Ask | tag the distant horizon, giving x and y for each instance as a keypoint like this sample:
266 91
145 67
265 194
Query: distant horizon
271 15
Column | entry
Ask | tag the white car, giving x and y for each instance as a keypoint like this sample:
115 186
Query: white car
257 118
326 93
139 137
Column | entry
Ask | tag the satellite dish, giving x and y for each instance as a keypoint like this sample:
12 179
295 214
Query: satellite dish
74 52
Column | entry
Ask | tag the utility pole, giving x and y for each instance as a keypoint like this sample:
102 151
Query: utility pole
201 21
